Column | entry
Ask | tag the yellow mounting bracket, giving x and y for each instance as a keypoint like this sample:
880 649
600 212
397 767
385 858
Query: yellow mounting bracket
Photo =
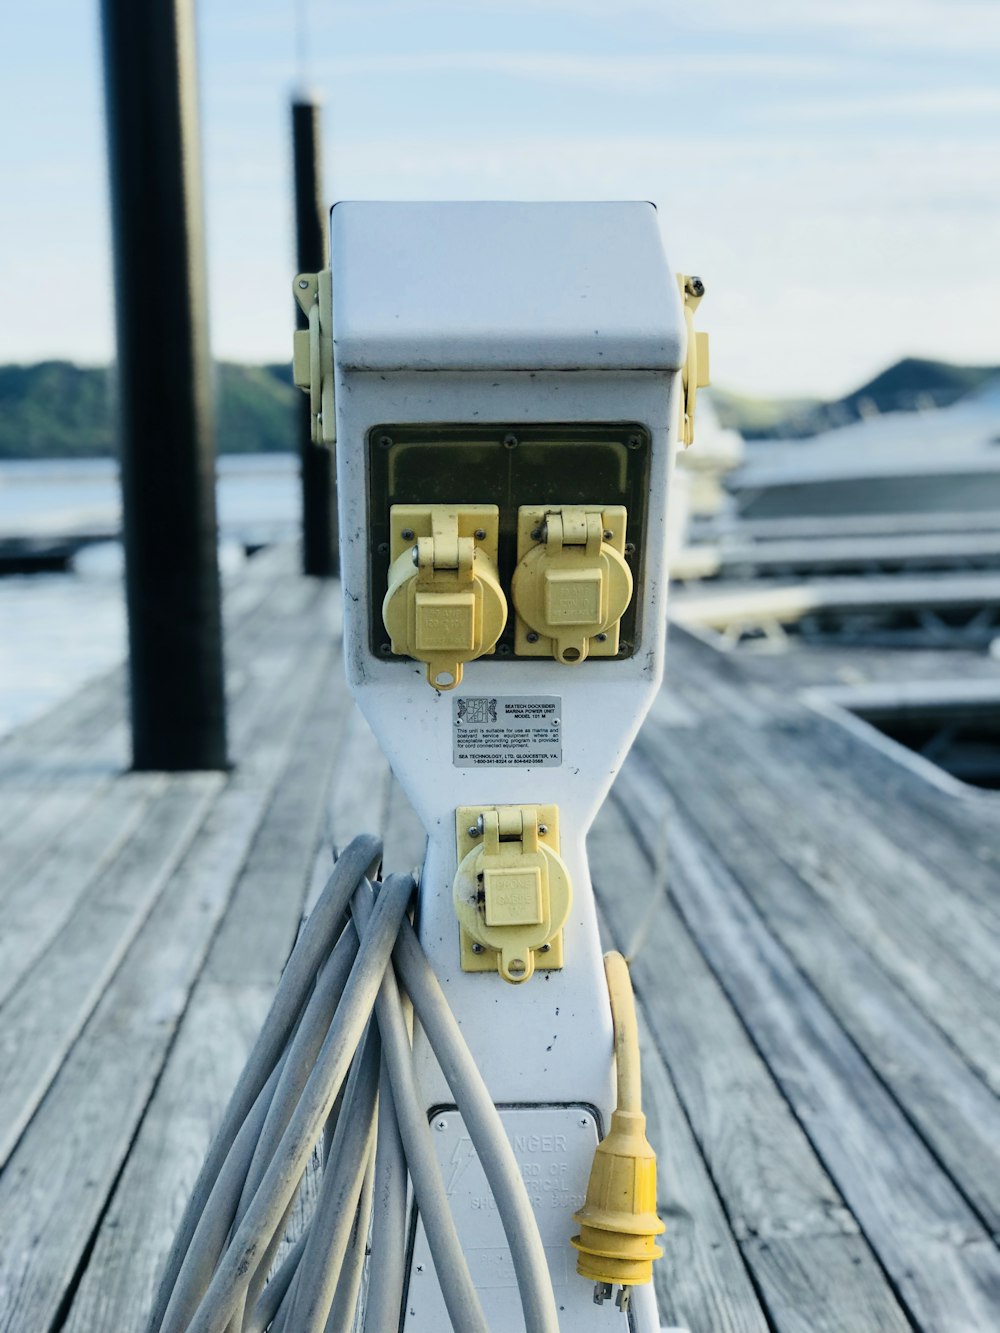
312 362
512 891
695 374
571 586
444 604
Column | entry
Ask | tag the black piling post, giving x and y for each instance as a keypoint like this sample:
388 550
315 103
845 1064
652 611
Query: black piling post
318 465
165 387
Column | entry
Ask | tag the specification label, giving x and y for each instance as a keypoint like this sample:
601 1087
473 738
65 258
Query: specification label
497 731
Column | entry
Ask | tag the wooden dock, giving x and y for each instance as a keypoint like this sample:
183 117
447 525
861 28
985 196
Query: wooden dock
815 929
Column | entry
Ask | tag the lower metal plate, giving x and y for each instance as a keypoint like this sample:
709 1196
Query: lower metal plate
554 1146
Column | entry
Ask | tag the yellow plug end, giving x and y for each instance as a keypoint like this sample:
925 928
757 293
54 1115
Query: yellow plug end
618 1222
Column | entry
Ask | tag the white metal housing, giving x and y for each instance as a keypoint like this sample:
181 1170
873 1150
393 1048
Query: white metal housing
513 313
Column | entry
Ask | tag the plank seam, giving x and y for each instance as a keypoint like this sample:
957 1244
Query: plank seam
65 1306
778 1084
710 1175
647 754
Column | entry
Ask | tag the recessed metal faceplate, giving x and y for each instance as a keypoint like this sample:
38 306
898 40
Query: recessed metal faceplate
554 1146
599 463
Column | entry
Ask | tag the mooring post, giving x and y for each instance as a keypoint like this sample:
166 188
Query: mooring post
165 387
319 478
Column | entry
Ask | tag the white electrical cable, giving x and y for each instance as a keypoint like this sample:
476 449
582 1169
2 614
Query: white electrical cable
343 1315
235 1267
317 938
482 1120
334 1062
459 1291
385 1297
333 1221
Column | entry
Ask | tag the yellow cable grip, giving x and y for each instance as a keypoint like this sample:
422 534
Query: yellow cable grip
618 1221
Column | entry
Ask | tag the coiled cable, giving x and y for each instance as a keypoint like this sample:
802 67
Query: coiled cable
334 1063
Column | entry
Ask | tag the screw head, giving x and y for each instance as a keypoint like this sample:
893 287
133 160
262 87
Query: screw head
385 649
694 287
601 638
480 534
407 534
630 548
536 534
510 441
503 650
608 534
531 636
303 284
543 829
477 948
634 441
441 1124
383 548
385 441
544 948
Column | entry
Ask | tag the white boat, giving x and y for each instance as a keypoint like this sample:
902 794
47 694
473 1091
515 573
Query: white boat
900 463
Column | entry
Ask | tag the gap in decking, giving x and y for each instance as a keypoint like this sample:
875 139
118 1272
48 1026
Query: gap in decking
960 737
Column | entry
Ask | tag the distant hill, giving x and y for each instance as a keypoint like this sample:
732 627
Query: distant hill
57 410
910 385
760 418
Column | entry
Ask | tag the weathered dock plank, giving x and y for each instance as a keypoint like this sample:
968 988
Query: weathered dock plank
939 944
797 1236
829 1141
957 830
360 786
59 766
228 1001
702 1281
42 1016
82 1132
118 1283
36 905
54 769
953 1109
41 1020
236 982
935 1248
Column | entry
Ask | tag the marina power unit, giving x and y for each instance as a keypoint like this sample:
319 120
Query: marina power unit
509 382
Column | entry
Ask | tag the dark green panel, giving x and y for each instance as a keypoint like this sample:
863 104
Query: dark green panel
586 464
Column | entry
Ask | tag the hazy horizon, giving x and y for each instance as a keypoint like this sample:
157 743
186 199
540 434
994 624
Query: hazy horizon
821 166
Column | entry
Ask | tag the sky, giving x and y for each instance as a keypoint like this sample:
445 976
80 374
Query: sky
829 169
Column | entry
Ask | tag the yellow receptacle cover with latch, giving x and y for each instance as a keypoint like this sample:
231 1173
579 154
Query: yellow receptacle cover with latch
444 605
572 584
512 890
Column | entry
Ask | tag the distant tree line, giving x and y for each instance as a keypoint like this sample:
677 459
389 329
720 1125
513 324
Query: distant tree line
58 410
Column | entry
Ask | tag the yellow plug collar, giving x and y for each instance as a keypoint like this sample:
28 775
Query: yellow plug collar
618 1221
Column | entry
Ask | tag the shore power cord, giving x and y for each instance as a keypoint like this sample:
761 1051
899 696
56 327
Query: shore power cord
333 1069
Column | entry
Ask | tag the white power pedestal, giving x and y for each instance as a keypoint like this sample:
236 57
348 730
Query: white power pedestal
513 355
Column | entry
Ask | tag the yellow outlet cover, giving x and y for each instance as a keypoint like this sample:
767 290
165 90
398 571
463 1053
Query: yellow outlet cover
513 897
573 597
445 621
561 602
476 957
